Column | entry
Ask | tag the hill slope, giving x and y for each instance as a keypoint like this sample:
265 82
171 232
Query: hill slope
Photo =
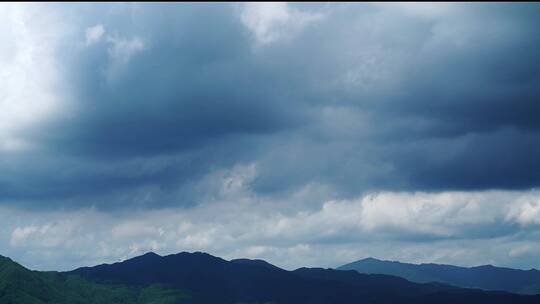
483 277
19 285
202 278
214 280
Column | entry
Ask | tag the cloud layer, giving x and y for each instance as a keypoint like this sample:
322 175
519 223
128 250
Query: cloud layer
112 110
464 228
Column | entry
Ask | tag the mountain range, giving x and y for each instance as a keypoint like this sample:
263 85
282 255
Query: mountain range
485 277
19 285
206 279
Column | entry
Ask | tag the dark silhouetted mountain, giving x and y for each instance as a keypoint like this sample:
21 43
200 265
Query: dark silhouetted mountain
255 262
211 279
482 277
19 285
202 278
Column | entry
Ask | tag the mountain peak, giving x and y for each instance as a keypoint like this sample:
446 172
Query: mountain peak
370 259
198 255
484 276
255 262
208 279
150 254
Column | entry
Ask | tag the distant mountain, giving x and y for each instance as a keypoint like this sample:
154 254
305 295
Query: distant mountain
482 277
260 263
19 285
211 279
199 278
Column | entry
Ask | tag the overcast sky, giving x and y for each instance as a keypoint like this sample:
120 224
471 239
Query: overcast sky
306 135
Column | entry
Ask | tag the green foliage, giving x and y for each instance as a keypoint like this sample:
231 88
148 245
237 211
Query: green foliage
19 285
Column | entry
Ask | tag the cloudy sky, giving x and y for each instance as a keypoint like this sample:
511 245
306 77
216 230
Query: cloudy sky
306 135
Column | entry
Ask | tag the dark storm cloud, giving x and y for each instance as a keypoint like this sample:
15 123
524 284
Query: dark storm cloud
195 81
362 98
464 114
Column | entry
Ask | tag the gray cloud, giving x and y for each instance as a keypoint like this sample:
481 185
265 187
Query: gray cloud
119 108
357 96
427 227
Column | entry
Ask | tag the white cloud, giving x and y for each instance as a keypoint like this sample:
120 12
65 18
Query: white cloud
47 235
270 21
20 234
416 227
526 211
31 83
123 49
94 34
120 51
135 228
437 214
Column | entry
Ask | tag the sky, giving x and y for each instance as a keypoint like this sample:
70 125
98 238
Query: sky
302 134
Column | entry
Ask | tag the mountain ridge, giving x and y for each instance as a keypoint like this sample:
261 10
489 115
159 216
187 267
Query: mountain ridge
19 285
443 264
248 281
189 278
486 277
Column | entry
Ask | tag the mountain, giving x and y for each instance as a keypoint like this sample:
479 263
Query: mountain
19 285
211 279
199 278
482 277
